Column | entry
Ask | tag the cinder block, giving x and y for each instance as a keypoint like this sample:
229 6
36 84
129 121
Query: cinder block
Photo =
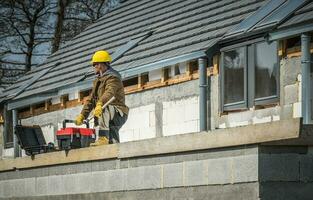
256 120
192 112
56 185
103 165
30 186
152 119
291 94
3 176
116 180
148 177
297 112
173 175
276 118
42 186
236 124
124 134
306 168
8 189
2 189
13 174
286 112
219 171
188 127
245 168
145 133
81 167
240 117
70 183
289 70
223 125
279 167
100 179
17 187
196 173
83 183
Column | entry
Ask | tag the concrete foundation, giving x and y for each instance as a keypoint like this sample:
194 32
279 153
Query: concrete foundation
243 172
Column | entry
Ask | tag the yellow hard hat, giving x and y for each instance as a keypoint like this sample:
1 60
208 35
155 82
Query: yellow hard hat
101 56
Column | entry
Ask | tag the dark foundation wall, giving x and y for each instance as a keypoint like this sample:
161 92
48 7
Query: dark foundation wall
286 172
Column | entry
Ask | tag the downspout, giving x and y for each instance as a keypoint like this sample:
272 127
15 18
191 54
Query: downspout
15 142
203 85
305 83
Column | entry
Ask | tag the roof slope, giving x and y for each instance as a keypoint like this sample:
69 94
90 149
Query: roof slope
179 27
301 16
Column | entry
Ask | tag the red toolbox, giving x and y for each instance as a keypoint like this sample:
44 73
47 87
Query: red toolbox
71 138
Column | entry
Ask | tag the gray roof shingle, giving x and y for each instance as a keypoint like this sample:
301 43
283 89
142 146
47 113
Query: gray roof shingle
303 15
179 27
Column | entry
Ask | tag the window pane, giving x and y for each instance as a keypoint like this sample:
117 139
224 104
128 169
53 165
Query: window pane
266 70
234 75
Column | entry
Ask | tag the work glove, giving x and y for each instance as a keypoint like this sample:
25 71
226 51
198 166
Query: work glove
79 119
98 109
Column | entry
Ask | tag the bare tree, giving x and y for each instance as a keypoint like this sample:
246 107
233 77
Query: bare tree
27 25
60 15
30 30
80 13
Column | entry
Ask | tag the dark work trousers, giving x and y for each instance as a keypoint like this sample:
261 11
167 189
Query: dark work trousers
114 126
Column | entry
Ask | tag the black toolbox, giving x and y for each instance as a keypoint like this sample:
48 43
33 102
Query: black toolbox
31 139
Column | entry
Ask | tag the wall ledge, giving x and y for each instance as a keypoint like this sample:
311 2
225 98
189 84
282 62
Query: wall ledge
250 134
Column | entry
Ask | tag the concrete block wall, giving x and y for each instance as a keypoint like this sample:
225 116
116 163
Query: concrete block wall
153 113
140 124
286 173
181 116
231 166
263 172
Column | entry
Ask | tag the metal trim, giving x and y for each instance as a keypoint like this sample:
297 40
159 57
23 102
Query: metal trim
290 32
20 103
163 63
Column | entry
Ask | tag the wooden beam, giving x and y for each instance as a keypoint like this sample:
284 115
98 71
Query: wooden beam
282 50
31 110
142 79
64 99
164 75
189 69
47 104
216 59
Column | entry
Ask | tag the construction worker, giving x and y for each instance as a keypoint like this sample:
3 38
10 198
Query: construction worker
108 84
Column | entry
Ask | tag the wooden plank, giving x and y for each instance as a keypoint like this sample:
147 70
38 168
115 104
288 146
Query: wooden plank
216 59
64 99
282 49
164 75
31 109
251 134
189 69
142 79
47 104
60 157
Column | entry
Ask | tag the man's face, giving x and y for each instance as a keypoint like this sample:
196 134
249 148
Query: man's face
99 68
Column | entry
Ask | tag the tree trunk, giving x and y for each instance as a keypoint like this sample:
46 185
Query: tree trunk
59 24
30 47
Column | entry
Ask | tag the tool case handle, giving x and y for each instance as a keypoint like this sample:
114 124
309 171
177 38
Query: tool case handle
73 121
